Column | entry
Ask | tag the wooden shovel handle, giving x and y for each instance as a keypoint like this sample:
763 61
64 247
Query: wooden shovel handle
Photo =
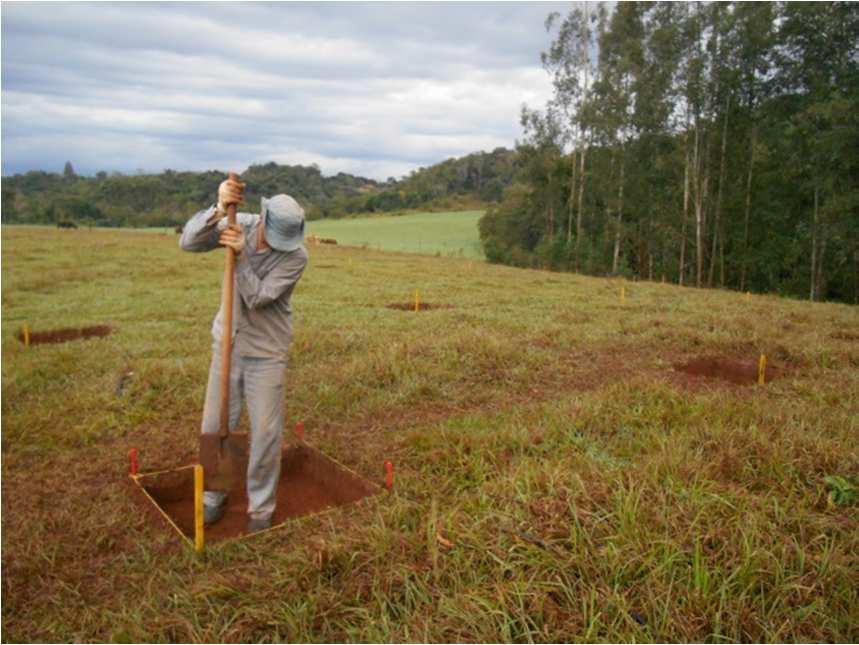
227 330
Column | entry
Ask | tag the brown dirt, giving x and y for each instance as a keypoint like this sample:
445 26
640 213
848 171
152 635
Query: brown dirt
739 372
422 306
65 335
309 483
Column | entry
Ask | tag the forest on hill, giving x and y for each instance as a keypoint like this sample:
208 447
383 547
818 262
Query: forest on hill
708 144
168 198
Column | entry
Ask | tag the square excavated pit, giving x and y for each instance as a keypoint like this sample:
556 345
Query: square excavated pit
310 483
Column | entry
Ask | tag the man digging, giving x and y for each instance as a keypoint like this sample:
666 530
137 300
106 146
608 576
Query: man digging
270 259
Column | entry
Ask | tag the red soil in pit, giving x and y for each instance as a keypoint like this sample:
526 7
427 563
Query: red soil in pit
65 335
739 372
310 482
422 306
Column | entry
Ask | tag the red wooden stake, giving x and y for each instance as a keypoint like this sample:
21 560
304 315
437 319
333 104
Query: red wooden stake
132 462
299 430
389 475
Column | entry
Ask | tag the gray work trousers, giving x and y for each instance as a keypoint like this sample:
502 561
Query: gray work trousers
260 382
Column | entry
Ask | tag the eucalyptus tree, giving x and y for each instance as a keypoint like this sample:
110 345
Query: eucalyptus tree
616 99
569 62
819 64
751 40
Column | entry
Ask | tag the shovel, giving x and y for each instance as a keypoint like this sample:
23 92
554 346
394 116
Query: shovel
224 455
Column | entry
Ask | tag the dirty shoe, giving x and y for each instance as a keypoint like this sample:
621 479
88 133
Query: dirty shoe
212 514
258 524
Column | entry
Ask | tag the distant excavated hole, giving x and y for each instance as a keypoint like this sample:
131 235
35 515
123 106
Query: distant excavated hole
738 372
65 335
845 335
310 482
324 266
422 306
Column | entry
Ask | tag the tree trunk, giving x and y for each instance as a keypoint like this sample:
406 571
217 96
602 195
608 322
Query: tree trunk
682 268
813 279
701 184
717 216
722 236
585 41
572 198
619 219
745 263
820 289
580 212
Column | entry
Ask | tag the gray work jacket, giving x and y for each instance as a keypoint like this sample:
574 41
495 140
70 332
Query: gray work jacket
262 317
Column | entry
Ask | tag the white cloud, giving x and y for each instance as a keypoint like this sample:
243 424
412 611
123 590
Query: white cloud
367 88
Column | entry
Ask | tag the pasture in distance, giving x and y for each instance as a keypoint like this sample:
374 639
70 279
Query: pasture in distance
556 479
453 233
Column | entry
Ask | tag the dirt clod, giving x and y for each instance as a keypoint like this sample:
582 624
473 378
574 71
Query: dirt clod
310 482
734 371
65 335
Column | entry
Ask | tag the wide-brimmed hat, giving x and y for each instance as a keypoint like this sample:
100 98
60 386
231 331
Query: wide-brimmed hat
284 222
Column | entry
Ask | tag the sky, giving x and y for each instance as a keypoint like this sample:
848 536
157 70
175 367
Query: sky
373 89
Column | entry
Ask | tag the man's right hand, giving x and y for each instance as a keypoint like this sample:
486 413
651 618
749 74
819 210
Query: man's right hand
230 192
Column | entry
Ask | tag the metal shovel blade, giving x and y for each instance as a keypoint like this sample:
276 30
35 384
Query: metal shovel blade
224 460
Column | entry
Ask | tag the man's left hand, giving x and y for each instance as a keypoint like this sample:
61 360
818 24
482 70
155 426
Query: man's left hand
233 237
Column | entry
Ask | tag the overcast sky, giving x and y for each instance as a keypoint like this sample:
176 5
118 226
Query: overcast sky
375 89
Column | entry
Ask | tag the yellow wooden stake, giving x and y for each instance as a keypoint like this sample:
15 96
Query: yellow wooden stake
762 369
622 295
417 301
199 536
25 332
748 296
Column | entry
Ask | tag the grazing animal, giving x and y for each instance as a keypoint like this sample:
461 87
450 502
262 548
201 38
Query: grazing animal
66 224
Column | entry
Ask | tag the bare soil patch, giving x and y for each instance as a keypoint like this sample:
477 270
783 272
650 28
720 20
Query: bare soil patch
725 369
65 335
422 306
310 482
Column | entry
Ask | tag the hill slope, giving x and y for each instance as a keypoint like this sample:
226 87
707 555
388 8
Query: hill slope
168 198
556 478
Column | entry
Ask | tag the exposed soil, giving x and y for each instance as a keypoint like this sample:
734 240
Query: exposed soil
422 306
65 335
309 483
739 372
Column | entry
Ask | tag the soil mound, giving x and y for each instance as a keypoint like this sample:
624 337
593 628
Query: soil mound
65 335
310 482
733 371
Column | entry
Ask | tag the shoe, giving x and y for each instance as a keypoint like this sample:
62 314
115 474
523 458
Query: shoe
258 524
212 514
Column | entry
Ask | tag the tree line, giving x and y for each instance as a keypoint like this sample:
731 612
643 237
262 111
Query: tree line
168 198
708 144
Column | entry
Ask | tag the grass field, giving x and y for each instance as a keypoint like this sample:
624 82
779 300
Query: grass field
434 233
556 478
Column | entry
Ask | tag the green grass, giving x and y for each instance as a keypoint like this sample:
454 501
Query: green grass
556 479
435 233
